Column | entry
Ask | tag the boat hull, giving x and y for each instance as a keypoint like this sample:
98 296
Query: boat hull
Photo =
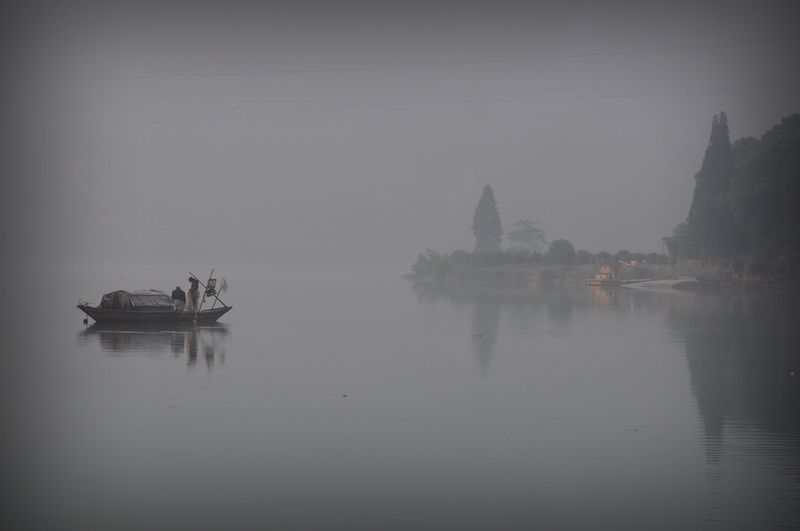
107 316
602 283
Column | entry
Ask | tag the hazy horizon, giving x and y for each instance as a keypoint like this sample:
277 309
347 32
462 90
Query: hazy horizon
360 133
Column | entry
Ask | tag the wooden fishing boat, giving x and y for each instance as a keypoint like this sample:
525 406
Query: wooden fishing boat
147 306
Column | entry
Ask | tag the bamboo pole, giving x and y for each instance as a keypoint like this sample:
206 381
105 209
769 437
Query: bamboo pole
215 296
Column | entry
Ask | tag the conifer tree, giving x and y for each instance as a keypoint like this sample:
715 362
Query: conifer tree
712 231
486 223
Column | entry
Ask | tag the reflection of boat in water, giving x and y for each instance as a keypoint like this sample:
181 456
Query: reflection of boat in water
159 337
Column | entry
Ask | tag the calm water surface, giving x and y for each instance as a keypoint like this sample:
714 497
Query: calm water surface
361 401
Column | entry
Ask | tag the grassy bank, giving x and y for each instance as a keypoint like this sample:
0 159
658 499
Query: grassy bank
576 275
519 266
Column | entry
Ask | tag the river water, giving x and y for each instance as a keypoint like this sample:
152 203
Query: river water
359 400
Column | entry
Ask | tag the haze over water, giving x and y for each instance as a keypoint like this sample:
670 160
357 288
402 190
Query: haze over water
309 151
362 401
357 134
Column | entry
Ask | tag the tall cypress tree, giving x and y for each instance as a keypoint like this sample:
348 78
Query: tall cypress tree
711 228
486 223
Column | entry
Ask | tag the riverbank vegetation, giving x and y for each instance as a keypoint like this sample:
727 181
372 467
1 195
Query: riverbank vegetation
746 203
743 226
519 265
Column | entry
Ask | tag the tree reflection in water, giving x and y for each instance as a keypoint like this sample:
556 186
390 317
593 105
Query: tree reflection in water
485 330
743 357
490 301
741 347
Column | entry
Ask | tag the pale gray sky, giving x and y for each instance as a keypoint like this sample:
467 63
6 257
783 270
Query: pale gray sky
360 133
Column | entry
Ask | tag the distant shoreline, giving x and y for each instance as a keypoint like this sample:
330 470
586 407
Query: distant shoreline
710 277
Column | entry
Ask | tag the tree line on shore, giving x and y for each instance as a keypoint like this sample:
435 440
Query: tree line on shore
744 217
745 209
560 253
528 247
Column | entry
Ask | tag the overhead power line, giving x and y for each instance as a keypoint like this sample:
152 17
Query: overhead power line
453 102
402 66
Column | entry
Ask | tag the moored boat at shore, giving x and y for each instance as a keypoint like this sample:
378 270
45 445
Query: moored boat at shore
607 277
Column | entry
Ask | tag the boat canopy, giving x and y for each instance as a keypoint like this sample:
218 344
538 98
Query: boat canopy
139 300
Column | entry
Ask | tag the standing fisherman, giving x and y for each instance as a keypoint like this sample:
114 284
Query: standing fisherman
194 292
180 298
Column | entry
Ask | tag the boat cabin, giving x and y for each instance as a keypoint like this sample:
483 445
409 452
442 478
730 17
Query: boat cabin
608 272
608 276
138 301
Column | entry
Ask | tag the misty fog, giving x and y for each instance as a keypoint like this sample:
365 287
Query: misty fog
307 152
360 133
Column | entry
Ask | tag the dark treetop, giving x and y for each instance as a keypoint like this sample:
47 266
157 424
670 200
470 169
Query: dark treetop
486 223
